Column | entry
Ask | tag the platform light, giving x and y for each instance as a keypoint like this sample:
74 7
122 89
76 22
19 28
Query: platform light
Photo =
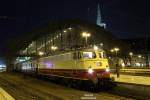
122 64
54 48
131 53
70 28
139 56
22 60
64 31
112 50
27 58
101 44
138 64
29 45
41 53
86 35
96 47
116 49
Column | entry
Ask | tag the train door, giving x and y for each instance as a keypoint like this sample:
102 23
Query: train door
76 57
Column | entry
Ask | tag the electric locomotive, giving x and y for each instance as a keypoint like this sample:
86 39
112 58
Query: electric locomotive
87 66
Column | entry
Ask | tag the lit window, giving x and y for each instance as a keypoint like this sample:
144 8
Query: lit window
89 55
102 55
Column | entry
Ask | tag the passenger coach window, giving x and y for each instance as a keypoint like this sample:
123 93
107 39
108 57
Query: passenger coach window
89 55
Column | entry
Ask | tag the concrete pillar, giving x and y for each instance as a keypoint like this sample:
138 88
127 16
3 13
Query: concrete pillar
9 64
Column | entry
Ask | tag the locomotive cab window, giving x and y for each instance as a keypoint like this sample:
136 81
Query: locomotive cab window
89 55
102 55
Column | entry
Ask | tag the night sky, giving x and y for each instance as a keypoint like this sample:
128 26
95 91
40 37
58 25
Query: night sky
124 18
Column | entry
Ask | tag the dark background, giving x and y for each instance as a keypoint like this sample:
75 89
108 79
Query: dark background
124 18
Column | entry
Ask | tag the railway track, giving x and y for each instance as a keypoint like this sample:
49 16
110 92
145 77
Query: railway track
28 88
22 91
139 92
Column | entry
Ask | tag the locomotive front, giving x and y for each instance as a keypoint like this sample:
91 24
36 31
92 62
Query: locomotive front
96 65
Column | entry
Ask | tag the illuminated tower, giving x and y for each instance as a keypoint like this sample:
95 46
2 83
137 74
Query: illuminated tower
99 18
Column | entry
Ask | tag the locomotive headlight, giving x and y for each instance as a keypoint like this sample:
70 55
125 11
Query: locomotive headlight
107 70
90 71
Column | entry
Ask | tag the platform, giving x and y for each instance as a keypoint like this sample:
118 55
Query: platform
4 95
142 80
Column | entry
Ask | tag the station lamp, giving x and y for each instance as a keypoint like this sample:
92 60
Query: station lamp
139 56
101 44
70 28
54 48
96 47
41 53
86 35
65 31
112 50
131 54
115 50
